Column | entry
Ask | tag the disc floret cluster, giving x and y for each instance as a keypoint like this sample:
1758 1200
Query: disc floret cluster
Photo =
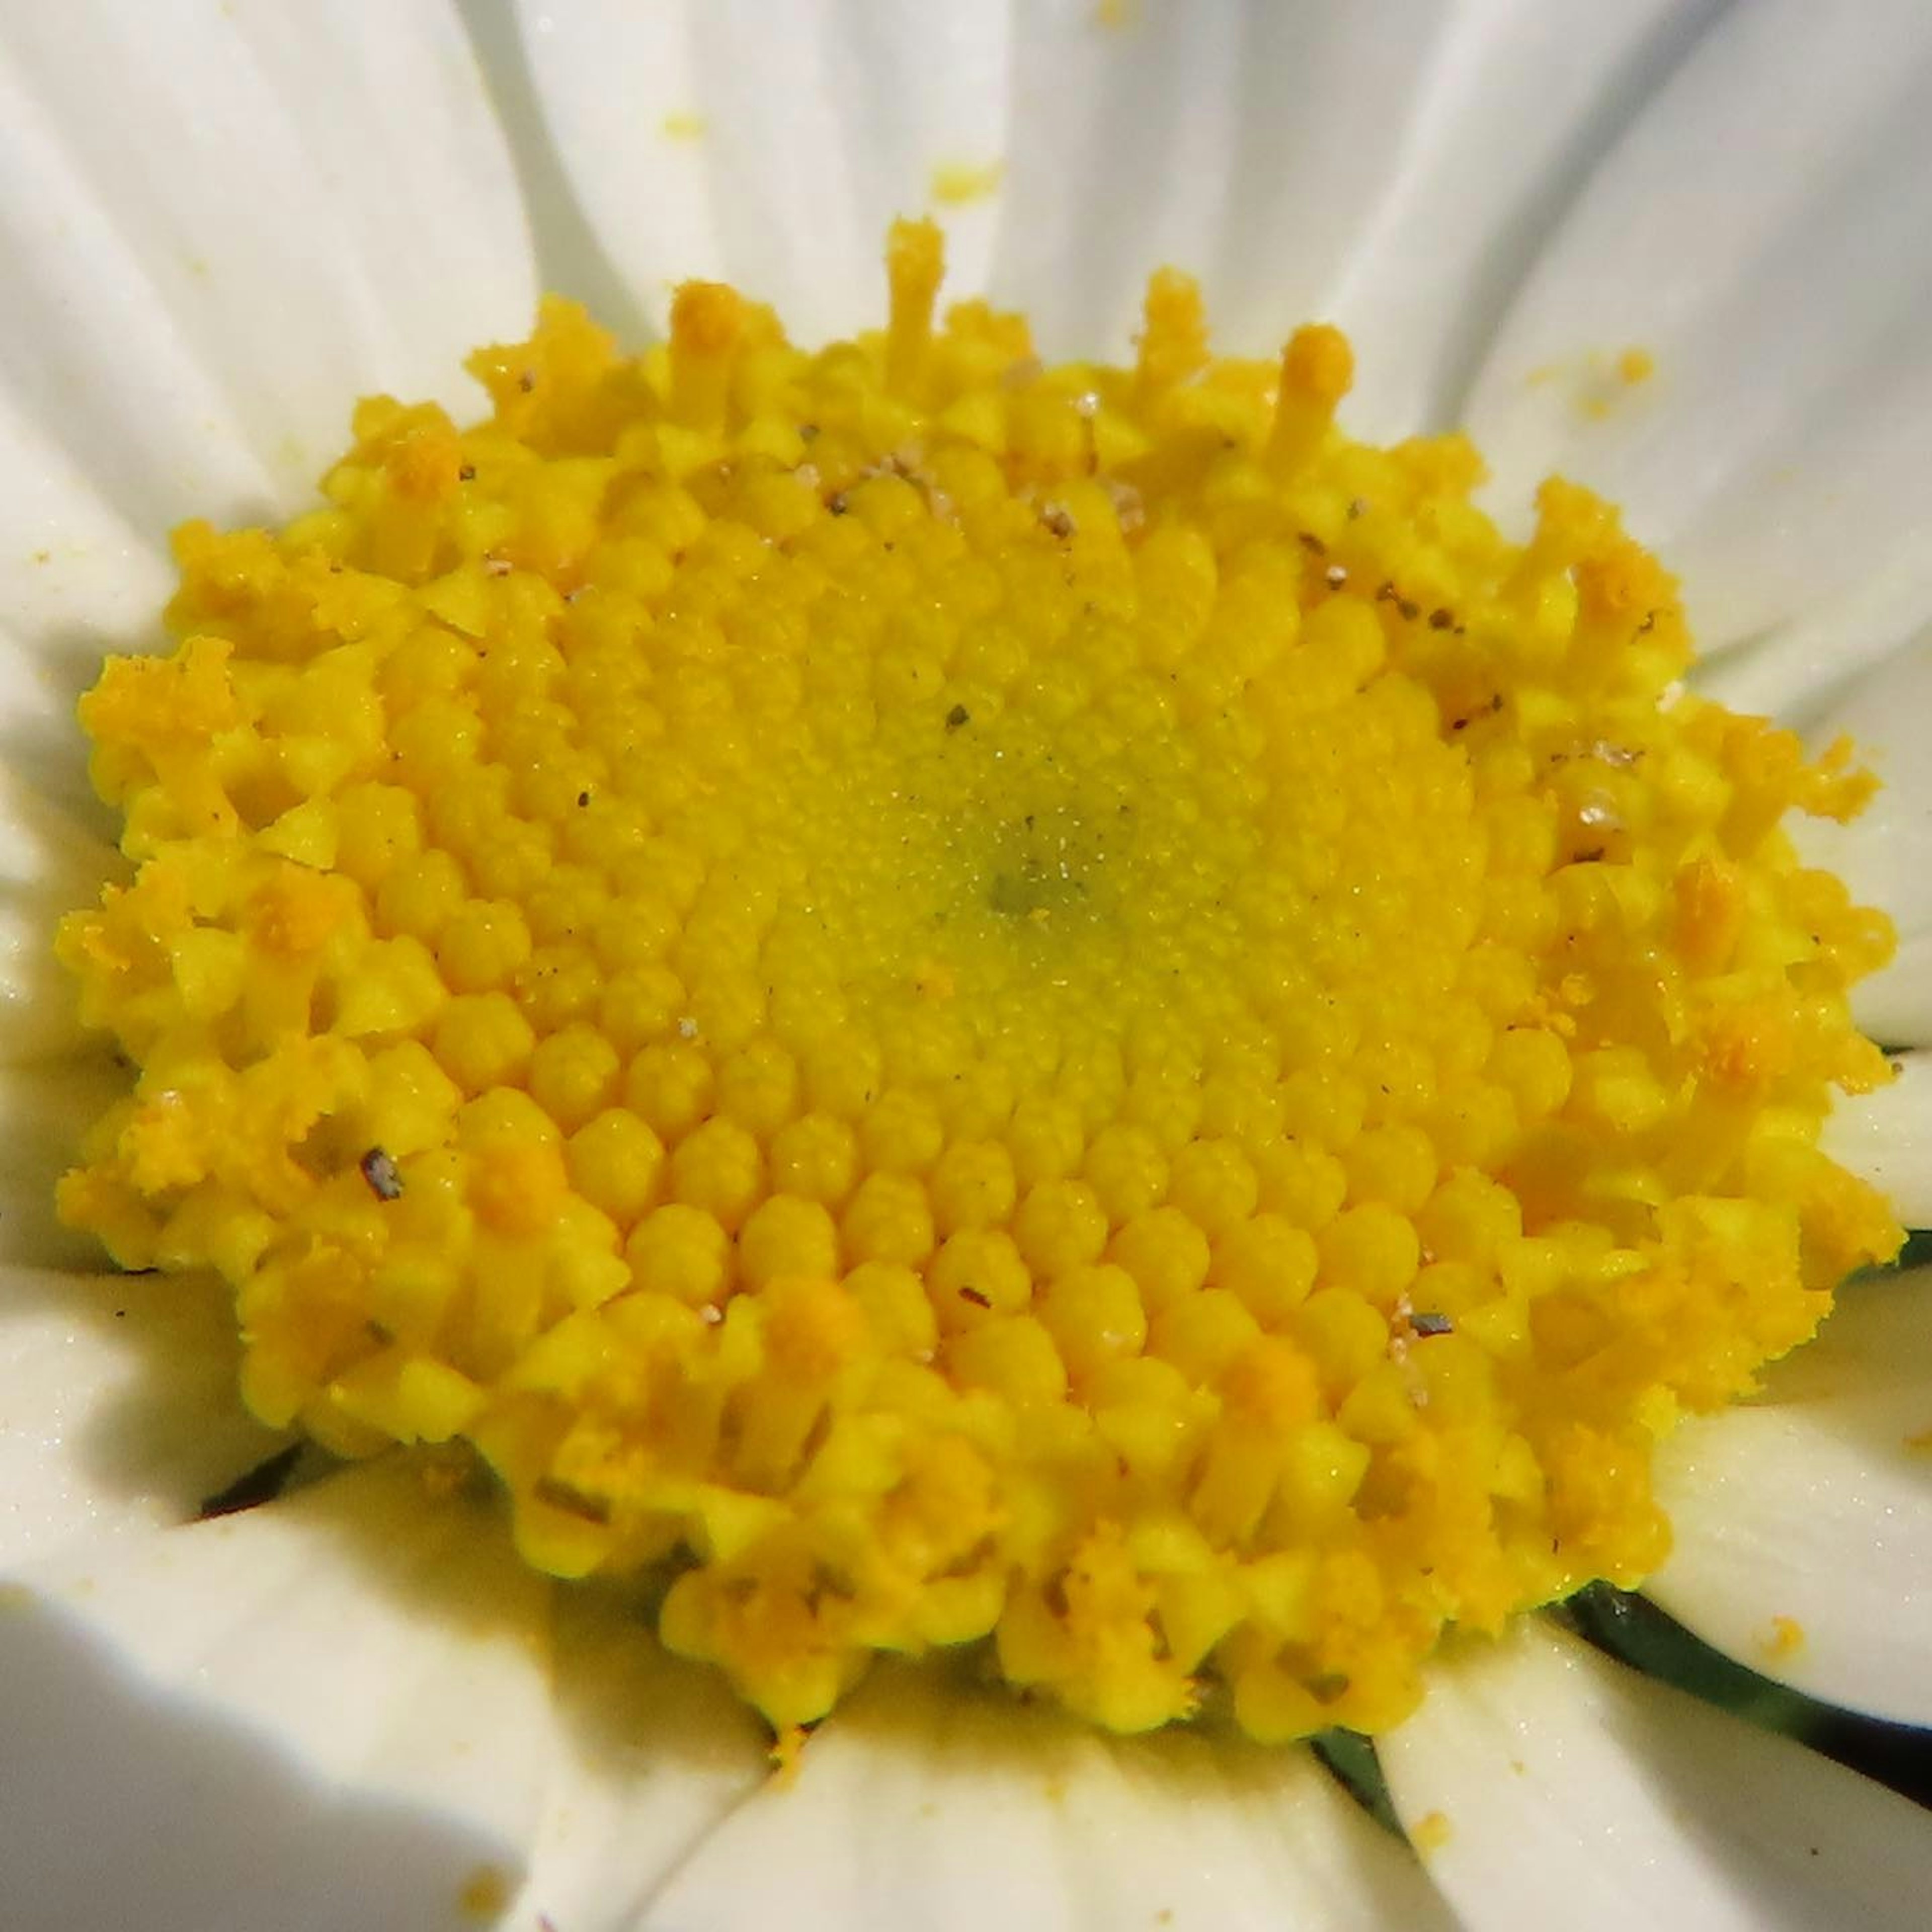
934 1001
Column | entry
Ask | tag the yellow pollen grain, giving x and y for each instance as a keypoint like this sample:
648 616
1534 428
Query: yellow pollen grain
938 1001
484 1894
959 183
1783 1640
1431 1832
683 125
1635 365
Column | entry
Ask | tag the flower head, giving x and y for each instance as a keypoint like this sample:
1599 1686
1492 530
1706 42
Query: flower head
942 997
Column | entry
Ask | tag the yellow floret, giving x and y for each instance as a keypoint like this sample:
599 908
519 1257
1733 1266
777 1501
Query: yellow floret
936 1001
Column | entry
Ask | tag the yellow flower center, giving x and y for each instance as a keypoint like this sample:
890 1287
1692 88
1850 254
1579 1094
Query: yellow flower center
937 999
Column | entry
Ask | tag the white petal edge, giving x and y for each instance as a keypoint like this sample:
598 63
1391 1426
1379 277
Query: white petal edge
1801 669
1302 161
919 1802
262 213
358 1665
1815 1506
770 145
119 1413
75 578
1749 229
44 1110
1891 1005
1884 854
50 863
650 1754
1424 239
119 1810
1886 1136
1555 1788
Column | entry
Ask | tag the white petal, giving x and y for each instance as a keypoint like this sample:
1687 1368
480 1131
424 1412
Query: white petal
117 1407
116 1810
224 223
650 1754
1558 1789
1884 854
1301 160
1817 1507
1192 137
921 1803
1750 230
1886 1136
50 863
357 1669
771 145
1802 667
75 581
43 1111
1893 1005
1416 221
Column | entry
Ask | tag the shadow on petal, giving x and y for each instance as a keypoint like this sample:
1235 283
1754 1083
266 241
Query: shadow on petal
119 1806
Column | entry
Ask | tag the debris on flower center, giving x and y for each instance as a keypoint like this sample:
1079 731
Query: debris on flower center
940 1000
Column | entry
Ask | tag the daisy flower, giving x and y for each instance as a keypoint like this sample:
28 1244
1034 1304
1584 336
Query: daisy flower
1139 1086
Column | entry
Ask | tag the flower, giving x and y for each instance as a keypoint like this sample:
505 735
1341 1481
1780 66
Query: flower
1636 246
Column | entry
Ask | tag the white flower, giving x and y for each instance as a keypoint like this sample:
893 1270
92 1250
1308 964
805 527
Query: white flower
222 222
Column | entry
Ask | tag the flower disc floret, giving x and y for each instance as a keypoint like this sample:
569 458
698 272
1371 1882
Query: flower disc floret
935 1000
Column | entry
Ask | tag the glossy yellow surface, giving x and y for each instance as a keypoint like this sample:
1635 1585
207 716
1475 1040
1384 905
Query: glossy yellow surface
939 1000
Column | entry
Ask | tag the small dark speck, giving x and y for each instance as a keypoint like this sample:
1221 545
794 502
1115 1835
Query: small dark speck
836 502
380 1171
1310 542
583 798
1441 620
976 1297
467 474
808 432
527 380
1409 609
958 716
120 1314
1427 1322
